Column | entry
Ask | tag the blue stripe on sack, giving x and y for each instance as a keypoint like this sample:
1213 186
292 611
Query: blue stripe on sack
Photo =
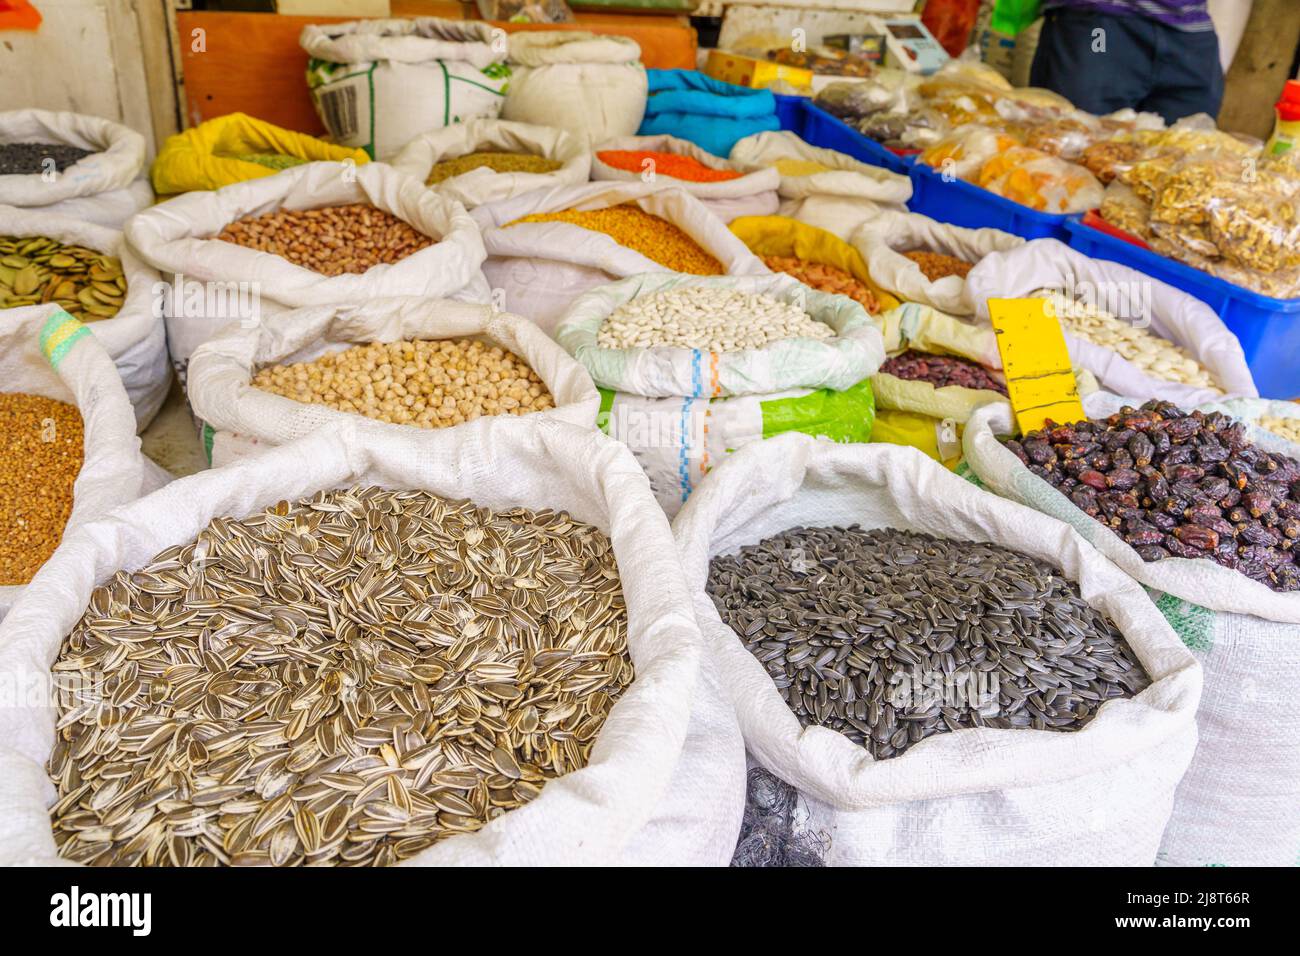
697 386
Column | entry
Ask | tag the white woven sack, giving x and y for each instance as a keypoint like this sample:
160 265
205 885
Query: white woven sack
243 285
855 352
483 185
975 797
134 338
377 84
884 238
248 420
104 188
537 269
589 85
1174 315
838 201
46 352
665 782
1236 806
752 194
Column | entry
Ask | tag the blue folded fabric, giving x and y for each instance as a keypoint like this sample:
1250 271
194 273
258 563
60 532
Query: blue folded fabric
710 113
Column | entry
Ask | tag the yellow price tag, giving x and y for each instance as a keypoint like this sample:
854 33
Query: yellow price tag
1040 378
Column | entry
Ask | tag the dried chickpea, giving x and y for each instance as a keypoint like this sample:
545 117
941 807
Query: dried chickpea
41 451
631 226
429 383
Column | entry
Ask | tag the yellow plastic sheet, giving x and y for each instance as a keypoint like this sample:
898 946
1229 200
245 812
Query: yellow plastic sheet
779 236
202 157
898 427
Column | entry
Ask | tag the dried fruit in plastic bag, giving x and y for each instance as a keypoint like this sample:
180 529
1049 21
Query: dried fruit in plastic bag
966 150
1042 182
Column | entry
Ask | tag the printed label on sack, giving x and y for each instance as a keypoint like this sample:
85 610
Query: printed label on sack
345 101
59 334
1040 378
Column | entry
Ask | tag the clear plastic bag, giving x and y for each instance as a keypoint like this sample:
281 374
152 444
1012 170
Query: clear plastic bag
1124 209
851 101
1042 182
1220 204
1109 158
905 130
966 149
1065 137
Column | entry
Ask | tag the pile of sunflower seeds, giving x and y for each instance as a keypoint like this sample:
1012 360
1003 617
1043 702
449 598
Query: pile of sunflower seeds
344 680
23 159
892 636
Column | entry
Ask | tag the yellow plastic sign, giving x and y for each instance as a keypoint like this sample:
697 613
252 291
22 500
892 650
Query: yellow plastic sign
1040 378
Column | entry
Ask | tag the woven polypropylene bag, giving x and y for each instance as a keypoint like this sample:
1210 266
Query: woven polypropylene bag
753 193
591 86
214 283
134 338
840 362
247 419
1173 315
484 185
981 797
537 269
839 199
883 239
1236 806
377 84
665 782
46 352
105 188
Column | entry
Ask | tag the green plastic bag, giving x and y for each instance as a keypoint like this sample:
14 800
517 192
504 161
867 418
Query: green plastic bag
1012 16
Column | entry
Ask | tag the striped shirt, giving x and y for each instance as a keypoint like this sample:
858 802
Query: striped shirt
1189 15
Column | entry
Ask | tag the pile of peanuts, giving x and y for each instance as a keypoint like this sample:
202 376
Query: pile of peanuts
631 226
937 265
717 319
41 451
824 278
1288 428
1156 356
332 240
426 383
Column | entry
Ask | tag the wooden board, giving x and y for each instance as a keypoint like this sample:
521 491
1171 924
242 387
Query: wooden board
1262 65
251 62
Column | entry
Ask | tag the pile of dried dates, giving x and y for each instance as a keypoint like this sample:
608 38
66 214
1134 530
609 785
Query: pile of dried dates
942 370
1178 485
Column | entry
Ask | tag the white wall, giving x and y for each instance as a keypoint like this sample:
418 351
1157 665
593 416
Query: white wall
1229 18
85 57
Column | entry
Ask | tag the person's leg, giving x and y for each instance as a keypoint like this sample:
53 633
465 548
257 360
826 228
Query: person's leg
1099 63
1189 76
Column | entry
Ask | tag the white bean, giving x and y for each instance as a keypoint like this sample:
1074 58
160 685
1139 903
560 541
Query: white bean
699 317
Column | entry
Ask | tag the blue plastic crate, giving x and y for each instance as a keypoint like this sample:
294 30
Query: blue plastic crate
822 129
965 204
1269 329
790 113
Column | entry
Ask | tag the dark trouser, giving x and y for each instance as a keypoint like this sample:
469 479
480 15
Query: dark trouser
1104 63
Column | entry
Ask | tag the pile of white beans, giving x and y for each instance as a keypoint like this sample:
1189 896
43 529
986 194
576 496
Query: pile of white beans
1156 356
717 319
1288 428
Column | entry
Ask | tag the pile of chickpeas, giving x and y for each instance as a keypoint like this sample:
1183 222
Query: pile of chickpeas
426 383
